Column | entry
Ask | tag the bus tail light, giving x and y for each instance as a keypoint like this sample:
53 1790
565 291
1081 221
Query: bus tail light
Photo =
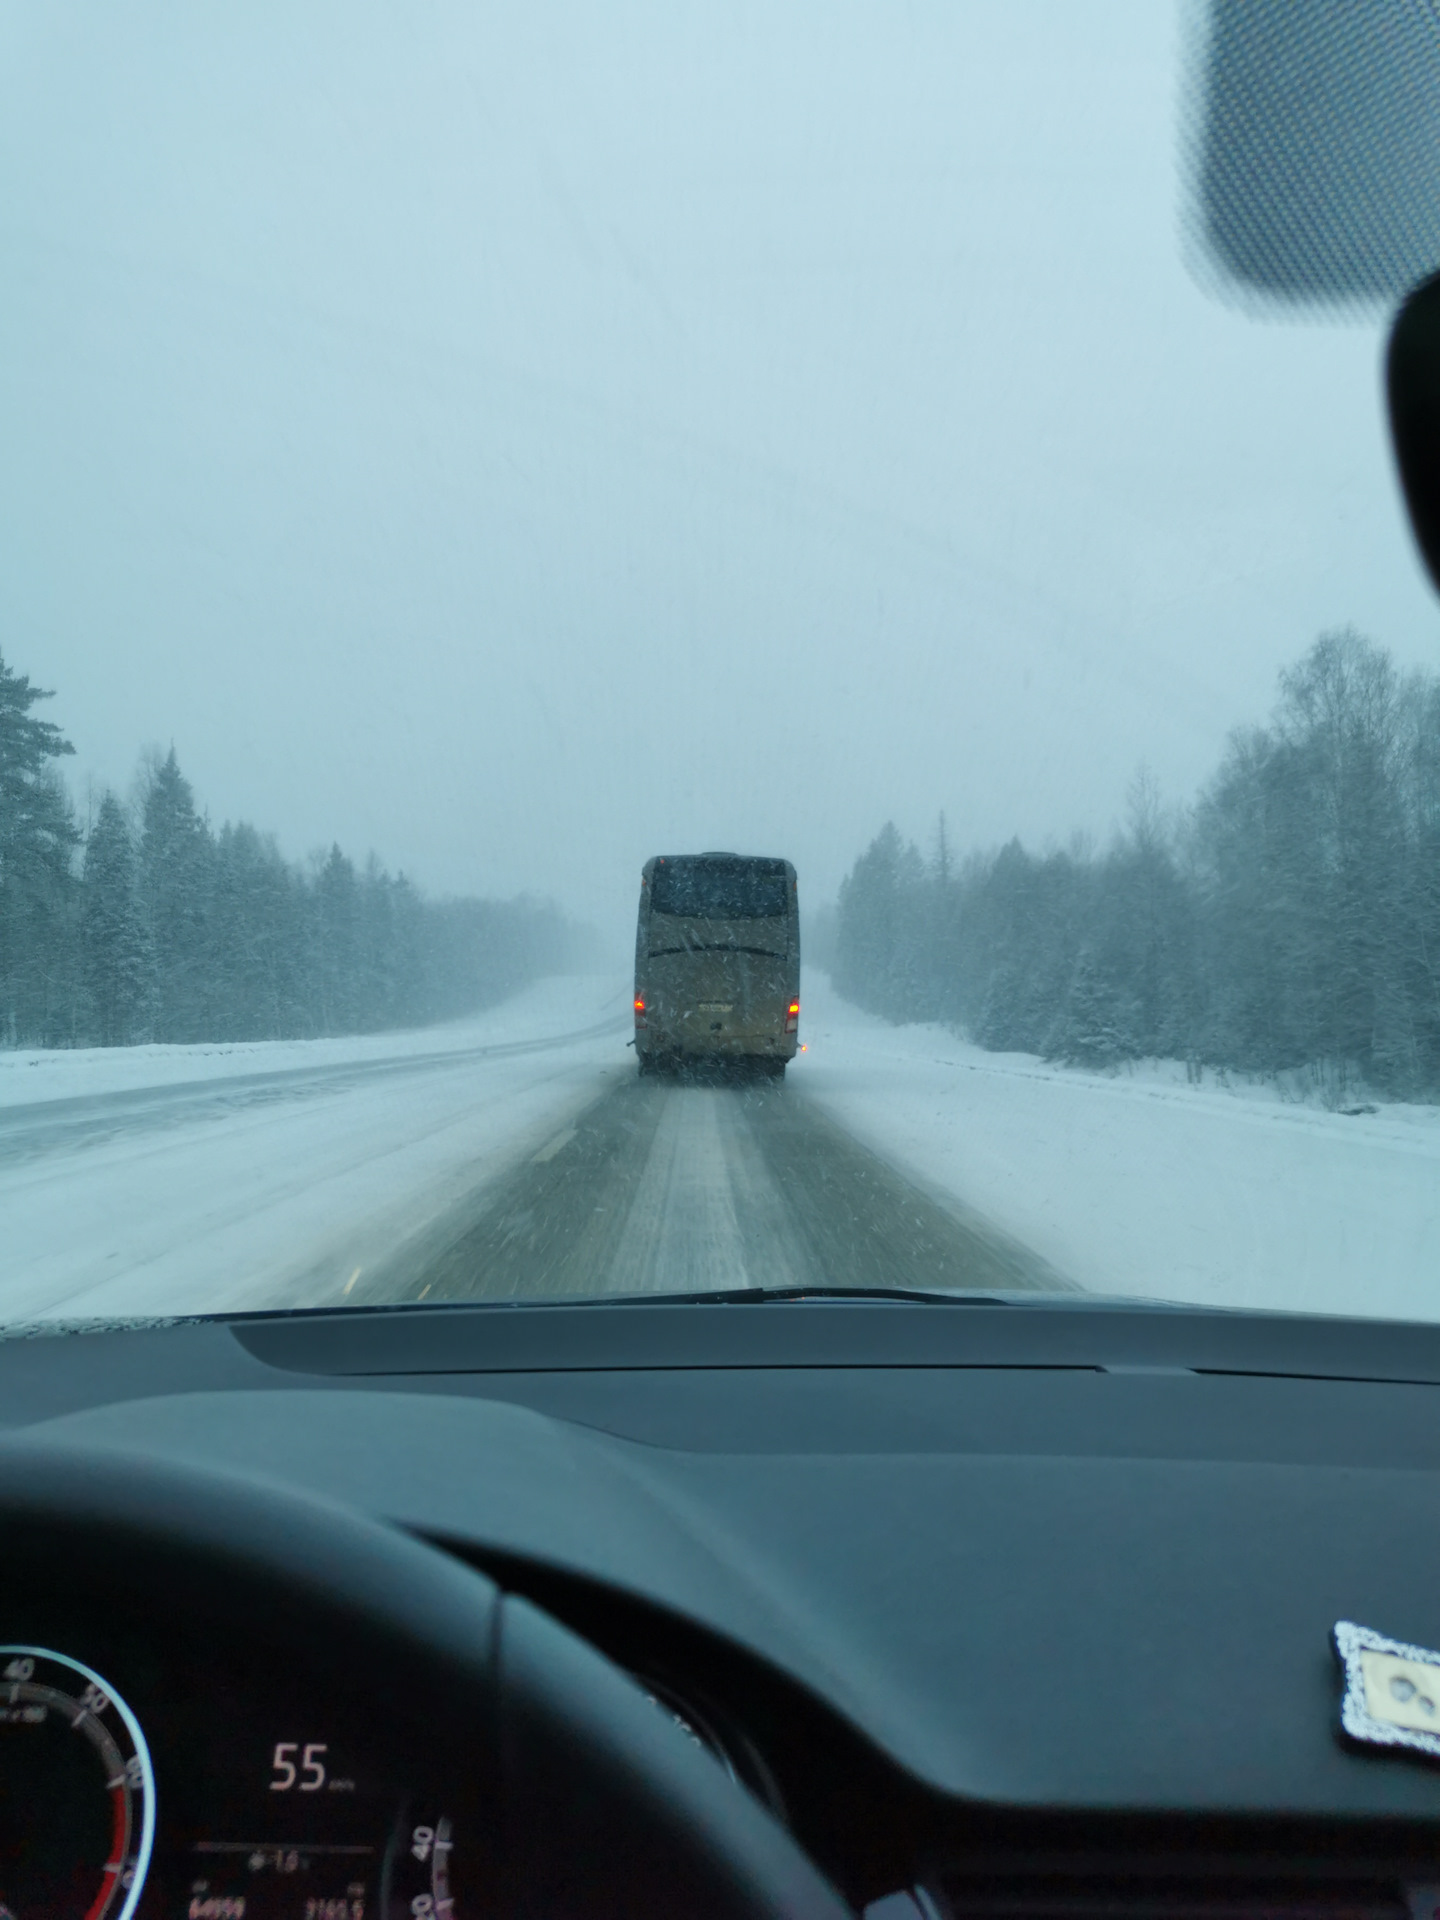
792 1017
639 1011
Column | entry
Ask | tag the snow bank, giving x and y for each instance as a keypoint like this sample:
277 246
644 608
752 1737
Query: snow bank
551 1006
1138 1183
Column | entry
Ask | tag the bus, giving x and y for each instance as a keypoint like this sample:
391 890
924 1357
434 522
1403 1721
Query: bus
717 962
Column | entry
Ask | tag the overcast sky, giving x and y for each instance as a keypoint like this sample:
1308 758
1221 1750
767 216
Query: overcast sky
520 439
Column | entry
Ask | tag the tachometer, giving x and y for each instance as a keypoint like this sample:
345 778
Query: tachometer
77 1793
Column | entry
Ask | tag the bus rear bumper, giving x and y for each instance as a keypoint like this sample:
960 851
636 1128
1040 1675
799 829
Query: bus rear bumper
679 1047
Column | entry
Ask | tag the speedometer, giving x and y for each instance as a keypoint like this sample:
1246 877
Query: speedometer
77 1794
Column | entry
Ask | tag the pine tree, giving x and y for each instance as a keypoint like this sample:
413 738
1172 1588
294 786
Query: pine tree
118 966
37 839
881 958
1095 1026
176 868
995 1025
337 933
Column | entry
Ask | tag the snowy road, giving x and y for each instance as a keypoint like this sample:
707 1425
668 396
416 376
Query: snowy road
519 1155
87 1119
684 1187
514 1155
161 1180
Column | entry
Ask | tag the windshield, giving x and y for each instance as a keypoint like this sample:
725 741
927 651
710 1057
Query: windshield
452 454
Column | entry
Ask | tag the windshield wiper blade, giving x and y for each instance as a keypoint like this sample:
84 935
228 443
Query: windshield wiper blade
764 1296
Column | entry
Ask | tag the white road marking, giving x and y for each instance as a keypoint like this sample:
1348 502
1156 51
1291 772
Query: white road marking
552 1147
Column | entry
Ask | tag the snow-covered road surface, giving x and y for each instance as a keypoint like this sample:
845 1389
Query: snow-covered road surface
83 1119
518 1154
158 1180
707 1183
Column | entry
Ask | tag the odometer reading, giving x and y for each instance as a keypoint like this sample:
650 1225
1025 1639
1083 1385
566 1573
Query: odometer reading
77 1792
400 1875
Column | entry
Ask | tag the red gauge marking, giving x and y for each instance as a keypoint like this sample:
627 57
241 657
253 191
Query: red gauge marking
113 1866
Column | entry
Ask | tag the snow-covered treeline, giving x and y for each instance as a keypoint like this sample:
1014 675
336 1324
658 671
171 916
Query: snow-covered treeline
152 926
1290 918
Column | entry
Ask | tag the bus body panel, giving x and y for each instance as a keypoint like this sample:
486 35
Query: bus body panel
717 983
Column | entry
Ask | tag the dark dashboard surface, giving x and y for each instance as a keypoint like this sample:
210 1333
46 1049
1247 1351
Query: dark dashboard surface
1054 1556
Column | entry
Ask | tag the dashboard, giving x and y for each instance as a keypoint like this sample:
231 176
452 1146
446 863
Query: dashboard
997 1610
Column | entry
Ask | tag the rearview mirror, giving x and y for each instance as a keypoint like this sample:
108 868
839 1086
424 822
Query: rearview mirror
1316 150
1412 379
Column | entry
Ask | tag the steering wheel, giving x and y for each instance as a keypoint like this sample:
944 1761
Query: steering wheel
589 1804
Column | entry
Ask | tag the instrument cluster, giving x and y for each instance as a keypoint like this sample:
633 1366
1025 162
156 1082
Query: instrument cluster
178 1789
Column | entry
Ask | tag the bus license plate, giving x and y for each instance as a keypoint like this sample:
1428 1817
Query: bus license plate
717 1006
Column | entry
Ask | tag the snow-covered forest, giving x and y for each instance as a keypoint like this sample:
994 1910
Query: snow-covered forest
1290 918
147 924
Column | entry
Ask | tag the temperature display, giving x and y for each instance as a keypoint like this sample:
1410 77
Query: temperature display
403 1873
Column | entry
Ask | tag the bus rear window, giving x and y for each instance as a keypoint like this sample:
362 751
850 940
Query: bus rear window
719 890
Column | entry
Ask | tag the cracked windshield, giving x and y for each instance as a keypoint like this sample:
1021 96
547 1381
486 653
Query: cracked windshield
647 652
